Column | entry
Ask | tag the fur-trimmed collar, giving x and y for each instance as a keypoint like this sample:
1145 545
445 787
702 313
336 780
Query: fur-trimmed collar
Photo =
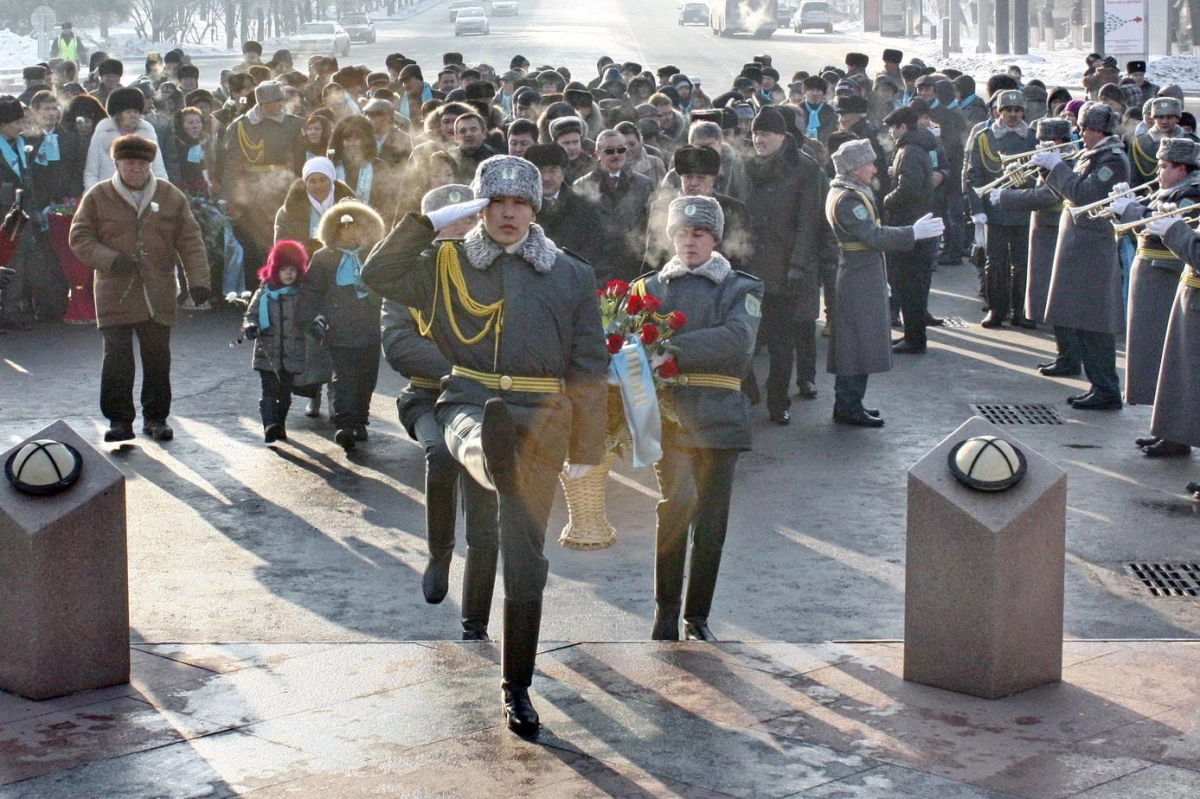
538 249
715 269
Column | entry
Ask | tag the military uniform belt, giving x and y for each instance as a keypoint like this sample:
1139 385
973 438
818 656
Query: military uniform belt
1190 280
1156 255
532 385
709 381
853 246
425 382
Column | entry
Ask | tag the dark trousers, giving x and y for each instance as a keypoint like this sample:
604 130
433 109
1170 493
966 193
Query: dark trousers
696 485
1007 269
789 342
909 274
254 251
276 399
118 371
355 372
442 476
848 393
956 228
1098 352
1066 341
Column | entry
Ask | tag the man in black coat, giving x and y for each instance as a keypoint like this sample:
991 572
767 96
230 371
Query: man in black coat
570 221
622 199
470 148
784 196
913 195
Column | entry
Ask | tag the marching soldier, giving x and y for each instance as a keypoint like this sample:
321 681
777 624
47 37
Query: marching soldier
1046 208
418 357
861 341
722 308
1176 412
1143 149
1085 292
526 392
1154 279
1007 232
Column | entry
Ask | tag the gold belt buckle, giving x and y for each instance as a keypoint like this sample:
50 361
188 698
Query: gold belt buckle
506 383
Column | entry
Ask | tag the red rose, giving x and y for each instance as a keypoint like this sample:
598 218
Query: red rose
668 369
634 304
676 320
651 303
649 334
617 288
615 342
601 294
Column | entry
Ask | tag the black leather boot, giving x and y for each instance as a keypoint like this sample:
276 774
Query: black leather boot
440 500
701 585
499 440
518 651
479 580
666 623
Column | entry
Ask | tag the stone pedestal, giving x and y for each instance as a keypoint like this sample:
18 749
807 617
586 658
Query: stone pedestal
64 583
983 599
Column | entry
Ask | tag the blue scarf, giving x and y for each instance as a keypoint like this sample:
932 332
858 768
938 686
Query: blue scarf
48 150
814 120
15 158
964 102
426 96
264 302
366 175
349 270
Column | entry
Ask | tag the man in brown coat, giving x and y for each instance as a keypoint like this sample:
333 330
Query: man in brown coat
132 229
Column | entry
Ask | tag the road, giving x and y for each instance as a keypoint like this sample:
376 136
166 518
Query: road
558 34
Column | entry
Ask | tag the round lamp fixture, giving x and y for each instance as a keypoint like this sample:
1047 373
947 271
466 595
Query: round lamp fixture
987 463
43 467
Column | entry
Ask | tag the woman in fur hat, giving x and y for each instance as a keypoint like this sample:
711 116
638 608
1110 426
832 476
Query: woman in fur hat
340 308
124 106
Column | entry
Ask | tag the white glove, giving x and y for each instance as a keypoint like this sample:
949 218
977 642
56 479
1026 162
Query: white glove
979 219
1047 160
444 217
575 471
1119 188
1119 205
994 199
1159 227
928 227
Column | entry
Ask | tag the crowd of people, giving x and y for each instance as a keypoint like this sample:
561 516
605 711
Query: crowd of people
452 219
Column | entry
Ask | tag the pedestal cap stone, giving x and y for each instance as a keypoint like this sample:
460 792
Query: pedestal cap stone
64 585
983 610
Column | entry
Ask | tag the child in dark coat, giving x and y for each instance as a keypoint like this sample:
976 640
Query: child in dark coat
274 325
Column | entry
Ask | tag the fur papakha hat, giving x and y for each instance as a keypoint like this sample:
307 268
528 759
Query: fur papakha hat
450 194
133 147
1179 151
703 213
509 176
1166 107
1098 117
853 154
1053 129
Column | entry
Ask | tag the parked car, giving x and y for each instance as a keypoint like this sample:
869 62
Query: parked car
360 27
693 13
471 20
504 8
459 5
813 14
327 38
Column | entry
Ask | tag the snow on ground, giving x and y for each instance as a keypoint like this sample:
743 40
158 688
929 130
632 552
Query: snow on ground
1062 67
16 51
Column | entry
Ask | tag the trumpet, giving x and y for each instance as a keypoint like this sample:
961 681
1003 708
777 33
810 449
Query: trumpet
1101 209
1178 213
1012 178
1008 159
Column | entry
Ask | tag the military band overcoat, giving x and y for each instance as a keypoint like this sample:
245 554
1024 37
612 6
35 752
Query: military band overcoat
1046 208
1176 408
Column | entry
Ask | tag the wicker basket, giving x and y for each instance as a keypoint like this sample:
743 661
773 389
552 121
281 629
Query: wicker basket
588 527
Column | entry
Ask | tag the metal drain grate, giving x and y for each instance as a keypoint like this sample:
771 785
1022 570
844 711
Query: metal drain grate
1018 414
1167 579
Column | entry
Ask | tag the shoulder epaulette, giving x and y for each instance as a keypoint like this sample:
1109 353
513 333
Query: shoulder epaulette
576 256
747 274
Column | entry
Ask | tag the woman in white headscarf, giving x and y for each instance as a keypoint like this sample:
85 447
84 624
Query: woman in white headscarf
308 198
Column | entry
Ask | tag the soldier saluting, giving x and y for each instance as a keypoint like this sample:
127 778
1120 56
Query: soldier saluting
862 339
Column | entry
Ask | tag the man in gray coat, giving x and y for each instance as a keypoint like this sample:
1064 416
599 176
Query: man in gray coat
527 389
861 342
1085 287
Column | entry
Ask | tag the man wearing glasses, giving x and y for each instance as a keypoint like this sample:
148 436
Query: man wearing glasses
622 200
